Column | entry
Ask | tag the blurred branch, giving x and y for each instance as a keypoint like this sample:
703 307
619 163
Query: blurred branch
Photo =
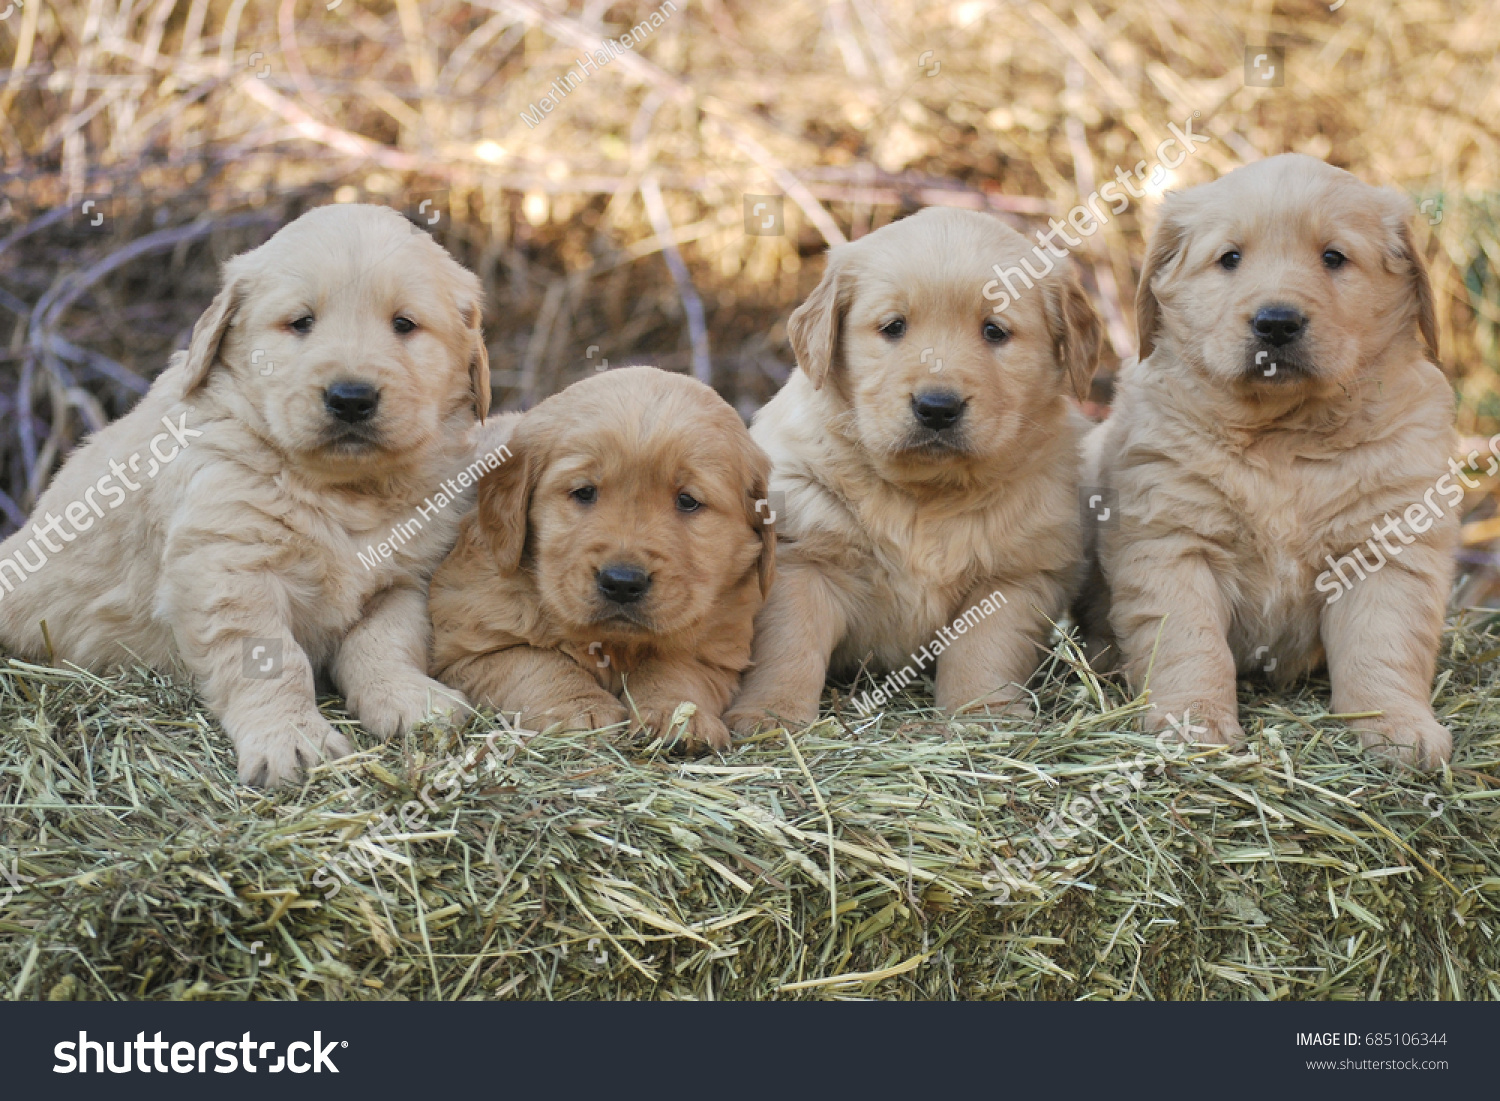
332 136
52 217
45 347
661 221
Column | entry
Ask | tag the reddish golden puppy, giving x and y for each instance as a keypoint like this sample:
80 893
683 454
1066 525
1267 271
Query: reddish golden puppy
615 563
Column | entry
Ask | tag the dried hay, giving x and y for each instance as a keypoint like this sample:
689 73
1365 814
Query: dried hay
861 859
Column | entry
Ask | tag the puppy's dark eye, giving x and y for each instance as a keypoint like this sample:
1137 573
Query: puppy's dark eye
994 333
688 503
894 329
585 495
303 324
1333 259
1230 260
403 325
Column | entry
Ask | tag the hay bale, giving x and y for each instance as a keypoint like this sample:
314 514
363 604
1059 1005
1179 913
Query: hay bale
862 859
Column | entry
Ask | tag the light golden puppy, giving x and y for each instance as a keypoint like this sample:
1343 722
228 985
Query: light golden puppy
620 552
1278 460
270 508
924 456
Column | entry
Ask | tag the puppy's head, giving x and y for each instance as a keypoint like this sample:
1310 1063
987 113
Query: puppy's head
350 338
1285 275
933 380
632 497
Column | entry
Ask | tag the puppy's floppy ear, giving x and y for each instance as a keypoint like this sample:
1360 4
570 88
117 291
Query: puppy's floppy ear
505 498
1167 243
813 328
1076 329
1402 254
209 330
479 362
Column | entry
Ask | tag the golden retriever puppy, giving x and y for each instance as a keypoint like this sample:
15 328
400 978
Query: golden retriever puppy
925 458
619 553
1278 459
273 507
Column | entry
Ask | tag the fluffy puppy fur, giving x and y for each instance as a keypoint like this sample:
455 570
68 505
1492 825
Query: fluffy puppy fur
1285 412
619 553
329 389
924 455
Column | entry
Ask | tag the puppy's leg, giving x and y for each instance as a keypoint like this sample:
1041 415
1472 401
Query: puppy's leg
381 667
1172 619
795 633
655 690
544 686
22 606
984 668
269 709
1382 639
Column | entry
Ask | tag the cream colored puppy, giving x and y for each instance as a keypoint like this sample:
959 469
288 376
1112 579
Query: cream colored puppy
925 456
271 508
1278 460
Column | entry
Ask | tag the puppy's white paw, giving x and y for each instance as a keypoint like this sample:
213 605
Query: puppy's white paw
1417 740
271 755
693 731
392 706
750 718
1002 705
586 712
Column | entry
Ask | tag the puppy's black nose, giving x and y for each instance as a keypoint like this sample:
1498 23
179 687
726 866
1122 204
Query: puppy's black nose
937 409
622 584
1278 325
351 402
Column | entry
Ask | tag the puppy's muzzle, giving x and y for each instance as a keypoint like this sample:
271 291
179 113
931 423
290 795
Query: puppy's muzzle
622 584
938 410
1278 326
1277 353
351 402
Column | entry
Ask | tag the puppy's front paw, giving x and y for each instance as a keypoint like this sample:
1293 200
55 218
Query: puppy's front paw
749 718
578 714
687 727
1001 705
277 754
1199 722
389 707
1418 740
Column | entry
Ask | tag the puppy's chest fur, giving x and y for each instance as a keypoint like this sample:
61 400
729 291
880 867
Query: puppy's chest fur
1277 509
917 563
355 549
1271 514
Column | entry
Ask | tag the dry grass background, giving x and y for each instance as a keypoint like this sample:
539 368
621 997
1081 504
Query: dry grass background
200 126
618 222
